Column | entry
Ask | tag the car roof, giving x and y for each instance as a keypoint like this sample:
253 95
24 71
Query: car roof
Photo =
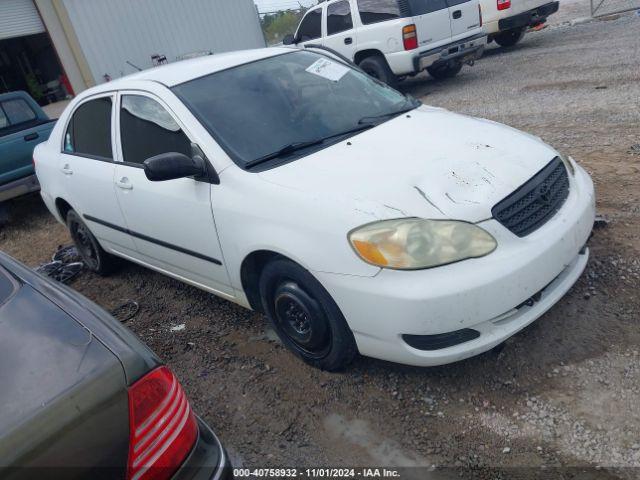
185 70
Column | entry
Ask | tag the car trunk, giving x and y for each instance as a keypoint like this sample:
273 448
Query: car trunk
64 397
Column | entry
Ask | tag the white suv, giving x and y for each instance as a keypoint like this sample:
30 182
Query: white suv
507 20
392 39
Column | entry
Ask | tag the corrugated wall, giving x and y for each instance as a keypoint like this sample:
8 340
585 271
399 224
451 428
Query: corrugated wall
110 32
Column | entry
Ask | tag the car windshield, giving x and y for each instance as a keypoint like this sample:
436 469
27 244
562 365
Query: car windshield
280 108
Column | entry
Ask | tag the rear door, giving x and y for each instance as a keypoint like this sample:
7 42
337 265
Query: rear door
340 34
433 25
86 163
171 222
465 18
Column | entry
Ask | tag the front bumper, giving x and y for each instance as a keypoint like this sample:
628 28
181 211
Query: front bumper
529 18
467 50
19 187
480 294
208 460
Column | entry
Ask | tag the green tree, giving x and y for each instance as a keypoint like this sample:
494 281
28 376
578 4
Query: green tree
276 25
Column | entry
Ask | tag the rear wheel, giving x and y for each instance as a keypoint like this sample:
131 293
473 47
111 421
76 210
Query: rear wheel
510 37
444 71
305 317
93 255
377 67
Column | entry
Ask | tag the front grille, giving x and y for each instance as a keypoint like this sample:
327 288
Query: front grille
535 202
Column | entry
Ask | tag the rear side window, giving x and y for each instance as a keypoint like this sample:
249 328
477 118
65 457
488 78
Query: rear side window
18 111
311 26
374 11
420 7
147 130
89 131
339 17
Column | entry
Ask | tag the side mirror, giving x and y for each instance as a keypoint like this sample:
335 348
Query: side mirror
172 165
288 39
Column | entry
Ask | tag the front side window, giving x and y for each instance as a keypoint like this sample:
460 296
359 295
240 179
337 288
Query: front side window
147 130
256 109
374 11
311 26
89 131
18 111
339 17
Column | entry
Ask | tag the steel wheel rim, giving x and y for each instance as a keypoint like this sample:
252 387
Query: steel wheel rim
85 245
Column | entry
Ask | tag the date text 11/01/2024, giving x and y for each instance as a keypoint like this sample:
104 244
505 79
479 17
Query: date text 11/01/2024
316 473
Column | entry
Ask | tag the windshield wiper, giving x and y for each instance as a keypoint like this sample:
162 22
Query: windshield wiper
411 103
295 146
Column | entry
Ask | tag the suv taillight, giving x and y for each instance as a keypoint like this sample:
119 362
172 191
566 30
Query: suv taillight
410 37
162 427
503 4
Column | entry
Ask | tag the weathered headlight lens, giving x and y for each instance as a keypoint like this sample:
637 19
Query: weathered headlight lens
414 243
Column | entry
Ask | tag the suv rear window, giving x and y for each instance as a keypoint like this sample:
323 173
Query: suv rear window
374 11
339 17
7 286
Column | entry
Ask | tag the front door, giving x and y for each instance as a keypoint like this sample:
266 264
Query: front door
339 27
171 222
86 163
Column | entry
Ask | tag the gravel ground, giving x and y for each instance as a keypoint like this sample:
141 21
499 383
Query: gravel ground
559 400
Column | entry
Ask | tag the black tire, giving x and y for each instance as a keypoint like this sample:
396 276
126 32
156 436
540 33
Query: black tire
93 255
377 67
510 37
305 317
444 71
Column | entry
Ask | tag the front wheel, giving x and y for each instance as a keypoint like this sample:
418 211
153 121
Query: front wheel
447 70
93 255
377 67
510 37
305 317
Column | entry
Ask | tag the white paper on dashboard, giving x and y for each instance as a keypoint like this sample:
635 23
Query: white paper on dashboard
325 68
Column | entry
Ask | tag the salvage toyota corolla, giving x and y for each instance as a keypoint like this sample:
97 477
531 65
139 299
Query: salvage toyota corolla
355 218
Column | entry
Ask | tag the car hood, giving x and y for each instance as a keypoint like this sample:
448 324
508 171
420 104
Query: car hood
430 163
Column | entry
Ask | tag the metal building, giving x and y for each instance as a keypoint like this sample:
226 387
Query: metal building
56 47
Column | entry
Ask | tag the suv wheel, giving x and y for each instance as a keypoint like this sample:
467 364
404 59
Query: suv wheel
510 37
377 67
305 317
92 254
444 71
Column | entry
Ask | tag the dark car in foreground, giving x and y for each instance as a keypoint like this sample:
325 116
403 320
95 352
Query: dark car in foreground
82 397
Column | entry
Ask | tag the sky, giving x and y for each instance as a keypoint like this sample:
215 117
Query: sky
272 5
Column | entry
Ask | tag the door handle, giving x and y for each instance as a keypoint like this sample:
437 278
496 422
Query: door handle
31 136
124 184
67 169
457 14
348 41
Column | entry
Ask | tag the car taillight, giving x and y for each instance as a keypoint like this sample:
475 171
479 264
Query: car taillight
480 13
503 4
162 427
410 37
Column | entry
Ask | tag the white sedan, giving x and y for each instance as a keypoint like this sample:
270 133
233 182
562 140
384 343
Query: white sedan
355 218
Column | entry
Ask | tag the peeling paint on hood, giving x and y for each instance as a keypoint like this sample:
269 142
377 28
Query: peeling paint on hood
430 163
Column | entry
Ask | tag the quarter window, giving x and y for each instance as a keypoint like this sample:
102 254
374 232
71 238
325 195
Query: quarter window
89 131
311 26
339 17
147 130
374 11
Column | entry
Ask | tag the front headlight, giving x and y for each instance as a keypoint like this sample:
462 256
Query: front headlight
414 243
568 163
